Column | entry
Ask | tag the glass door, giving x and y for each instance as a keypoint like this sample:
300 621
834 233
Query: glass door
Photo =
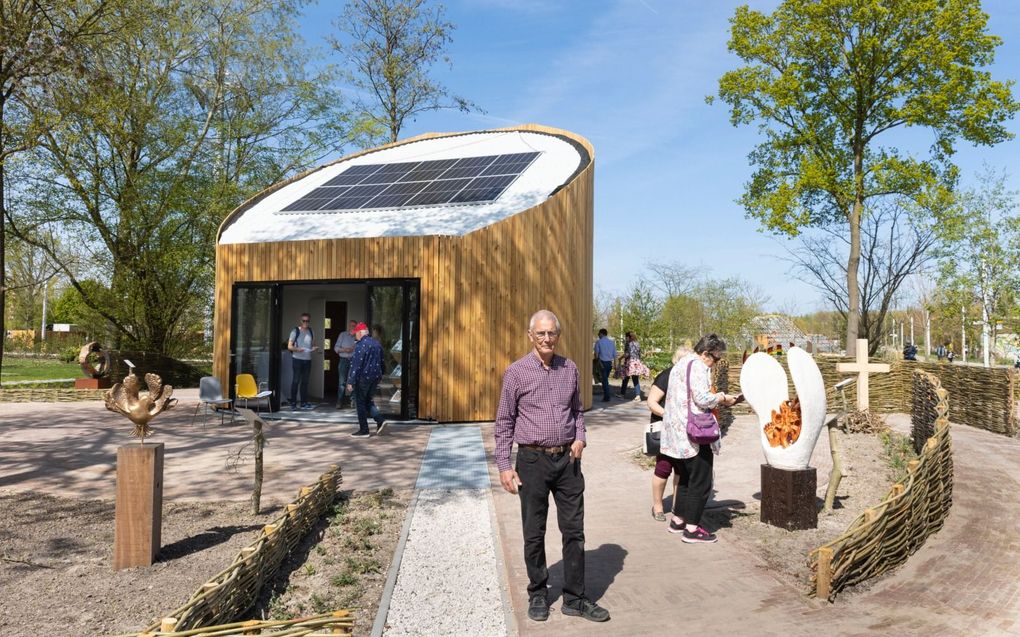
393 316
252 347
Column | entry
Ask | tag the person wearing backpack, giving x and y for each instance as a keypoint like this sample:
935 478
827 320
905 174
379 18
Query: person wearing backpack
301 344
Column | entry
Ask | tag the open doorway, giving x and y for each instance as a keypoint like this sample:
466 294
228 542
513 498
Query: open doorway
264 314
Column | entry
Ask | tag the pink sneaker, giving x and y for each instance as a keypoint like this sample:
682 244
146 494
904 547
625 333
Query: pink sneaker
698 535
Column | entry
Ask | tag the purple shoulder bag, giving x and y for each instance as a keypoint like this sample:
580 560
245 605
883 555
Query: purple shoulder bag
702 429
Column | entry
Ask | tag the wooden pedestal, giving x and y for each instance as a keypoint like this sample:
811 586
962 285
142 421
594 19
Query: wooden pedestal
92 383
788 498
139 505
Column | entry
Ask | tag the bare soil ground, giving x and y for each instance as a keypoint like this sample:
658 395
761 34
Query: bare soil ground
870 467
56 560
869 470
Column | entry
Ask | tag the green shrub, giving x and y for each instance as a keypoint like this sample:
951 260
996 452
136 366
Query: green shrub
69 354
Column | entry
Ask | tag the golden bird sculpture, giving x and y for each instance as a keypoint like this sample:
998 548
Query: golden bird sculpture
140 407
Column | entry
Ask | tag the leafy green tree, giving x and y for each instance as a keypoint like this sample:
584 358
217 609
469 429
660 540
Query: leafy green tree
728 305
192 108
825 80
39 40
980 256
390 47
640 310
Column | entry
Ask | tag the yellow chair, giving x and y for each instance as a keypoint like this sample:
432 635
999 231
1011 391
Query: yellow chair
245 389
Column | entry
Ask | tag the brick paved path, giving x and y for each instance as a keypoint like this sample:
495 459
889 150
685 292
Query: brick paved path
70 449
965 580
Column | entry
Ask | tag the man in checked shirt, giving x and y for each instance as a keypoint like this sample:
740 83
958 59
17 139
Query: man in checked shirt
540 409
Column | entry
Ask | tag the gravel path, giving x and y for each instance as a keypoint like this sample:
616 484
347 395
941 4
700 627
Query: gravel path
448 582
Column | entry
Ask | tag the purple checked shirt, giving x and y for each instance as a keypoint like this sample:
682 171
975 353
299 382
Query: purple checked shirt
538 406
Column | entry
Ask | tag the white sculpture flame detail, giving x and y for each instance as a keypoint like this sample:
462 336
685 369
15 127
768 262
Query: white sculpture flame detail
763 381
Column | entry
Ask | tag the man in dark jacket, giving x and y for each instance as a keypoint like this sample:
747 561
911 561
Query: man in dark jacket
363 378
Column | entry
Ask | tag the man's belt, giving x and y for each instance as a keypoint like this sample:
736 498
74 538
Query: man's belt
552 451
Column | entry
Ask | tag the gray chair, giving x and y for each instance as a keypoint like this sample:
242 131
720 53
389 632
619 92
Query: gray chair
210 396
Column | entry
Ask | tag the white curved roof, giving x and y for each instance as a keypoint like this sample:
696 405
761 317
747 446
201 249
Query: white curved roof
557 162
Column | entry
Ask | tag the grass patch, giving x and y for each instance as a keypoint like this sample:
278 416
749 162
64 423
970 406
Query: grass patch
347 566
18 369
898 452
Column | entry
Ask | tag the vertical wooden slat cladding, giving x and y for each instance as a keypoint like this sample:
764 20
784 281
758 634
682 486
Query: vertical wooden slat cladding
477 291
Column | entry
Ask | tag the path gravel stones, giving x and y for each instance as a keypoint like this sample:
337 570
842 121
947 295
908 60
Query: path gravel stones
449 582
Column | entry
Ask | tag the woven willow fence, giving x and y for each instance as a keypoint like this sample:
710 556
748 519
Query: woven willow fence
49 395
990 391
884 537
234 590
336 624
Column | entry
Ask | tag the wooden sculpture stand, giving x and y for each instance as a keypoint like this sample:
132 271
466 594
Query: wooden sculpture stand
788 498
139 505
92 383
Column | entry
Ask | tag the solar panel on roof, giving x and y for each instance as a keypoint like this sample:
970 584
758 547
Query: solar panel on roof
416 183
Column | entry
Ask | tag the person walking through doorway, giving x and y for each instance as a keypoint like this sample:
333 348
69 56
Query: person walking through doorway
362 380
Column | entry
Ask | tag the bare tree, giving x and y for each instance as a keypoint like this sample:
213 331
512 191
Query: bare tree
674 278
391 46
894 245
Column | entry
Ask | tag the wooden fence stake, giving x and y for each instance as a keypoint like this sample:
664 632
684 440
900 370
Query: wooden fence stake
823 577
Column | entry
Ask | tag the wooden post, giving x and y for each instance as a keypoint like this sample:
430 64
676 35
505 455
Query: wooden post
823 576
139 509
788 498
836 475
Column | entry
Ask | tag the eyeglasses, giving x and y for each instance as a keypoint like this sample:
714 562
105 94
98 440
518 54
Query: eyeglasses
548 335
306 320
715 356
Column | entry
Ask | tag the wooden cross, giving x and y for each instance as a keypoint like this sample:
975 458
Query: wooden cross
862 367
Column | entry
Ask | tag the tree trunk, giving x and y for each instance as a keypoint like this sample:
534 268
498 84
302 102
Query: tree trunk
3 243
852 288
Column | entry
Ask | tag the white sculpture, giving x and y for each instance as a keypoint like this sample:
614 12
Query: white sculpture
786 442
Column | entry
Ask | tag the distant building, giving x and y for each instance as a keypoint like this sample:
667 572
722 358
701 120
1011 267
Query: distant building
775 330
445 244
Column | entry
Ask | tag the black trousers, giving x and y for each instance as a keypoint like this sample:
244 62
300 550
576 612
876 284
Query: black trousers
692 493
542 474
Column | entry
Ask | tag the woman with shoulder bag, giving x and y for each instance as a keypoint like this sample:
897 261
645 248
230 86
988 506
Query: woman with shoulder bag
689 402
663 465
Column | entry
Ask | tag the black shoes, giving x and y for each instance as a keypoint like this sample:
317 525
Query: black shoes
380 427
361 434
586 608
538 608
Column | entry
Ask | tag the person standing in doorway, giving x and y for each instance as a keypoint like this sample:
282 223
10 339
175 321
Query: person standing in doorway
344 348
363 378
605 351
540 409
301 343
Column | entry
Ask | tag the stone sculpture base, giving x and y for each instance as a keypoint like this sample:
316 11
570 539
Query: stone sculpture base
139 505
92 383
788 498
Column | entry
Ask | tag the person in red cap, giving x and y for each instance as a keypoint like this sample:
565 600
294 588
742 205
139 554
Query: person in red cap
363 378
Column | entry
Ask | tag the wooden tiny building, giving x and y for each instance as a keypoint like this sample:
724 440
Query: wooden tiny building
451 286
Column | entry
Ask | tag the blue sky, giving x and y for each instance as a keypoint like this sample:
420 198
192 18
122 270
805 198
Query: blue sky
631 76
